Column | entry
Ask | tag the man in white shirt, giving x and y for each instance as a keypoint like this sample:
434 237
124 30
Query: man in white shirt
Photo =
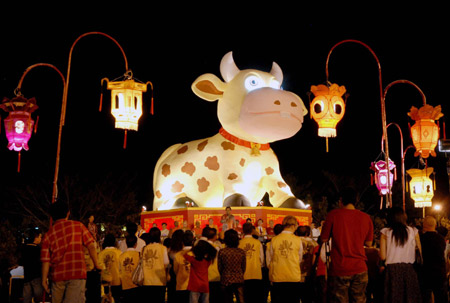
131 229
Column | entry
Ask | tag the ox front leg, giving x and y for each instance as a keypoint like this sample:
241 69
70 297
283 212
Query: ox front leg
280 194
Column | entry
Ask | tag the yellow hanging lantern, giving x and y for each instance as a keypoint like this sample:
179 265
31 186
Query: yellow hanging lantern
126 103
327 108
425 132
421 186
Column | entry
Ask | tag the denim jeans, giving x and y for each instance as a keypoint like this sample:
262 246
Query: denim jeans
198 297
70 291
348 288
33 289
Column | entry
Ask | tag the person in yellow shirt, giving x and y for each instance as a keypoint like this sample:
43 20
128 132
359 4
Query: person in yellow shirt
155 262
128 262
254 261
108 259
285 255
182 269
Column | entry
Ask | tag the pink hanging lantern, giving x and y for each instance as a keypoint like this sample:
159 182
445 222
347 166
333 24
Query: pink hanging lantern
19 123
382 175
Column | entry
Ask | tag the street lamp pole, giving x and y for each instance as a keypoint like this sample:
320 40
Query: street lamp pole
64 103
382 102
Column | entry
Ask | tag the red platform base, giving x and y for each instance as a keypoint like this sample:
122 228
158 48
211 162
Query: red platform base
193 214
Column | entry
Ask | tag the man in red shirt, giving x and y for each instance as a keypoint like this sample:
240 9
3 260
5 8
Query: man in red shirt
62 255
350 229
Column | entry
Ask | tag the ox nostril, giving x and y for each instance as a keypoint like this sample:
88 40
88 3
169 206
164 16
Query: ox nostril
293 104
277 102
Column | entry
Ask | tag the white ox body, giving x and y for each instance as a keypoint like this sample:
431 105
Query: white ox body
237 163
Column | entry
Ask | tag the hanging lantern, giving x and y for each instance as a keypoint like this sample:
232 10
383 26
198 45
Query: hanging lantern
421 186
327 108
126 103
425 132
382 175
18 124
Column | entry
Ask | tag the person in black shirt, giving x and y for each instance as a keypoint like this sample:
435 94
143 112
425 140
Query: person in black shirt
433 273
30 260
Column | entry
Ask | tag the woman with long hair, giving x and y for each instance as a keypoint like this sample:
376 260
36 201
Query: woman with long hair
398 246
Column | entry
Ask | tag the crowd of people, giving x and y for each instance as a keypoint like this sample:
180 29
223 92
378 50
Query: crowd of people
334 262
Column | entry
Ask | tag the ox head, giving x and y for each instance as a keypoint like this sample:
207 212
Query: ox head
251 104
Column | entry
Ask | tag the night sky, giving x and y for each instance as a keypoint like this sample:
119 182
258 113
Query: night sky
172 49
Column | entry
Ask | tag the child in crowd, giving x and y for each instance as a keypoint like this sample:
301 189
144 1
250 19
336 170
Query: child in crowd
201 256
128 262
108 259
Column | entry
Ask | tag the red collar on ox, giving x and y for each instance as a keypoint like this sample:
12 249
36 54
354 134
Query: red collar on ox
256 147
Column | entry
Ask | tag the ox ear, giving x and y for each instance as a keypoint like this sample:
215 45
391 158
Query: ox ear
277 72
208 87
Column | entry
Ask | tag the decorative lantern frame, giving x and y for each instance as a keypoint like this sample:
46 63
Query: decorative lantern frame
421 186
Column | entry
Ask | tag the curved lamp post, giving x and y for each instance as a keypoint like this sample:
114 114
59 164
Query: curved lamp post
383 107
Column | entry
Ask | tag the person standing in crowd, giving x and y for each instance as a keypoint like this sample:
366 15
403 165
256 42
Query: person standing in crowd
176 245
131 228
200 258
231 265
269 230
306 285
398 245
164 231
155 263
92 227
108 259
254 253
62 254
349 229
30 260
128 262
285 255
212 225
267 279
433 273
197 230
182 269
261 231
215 290
228 218
176 226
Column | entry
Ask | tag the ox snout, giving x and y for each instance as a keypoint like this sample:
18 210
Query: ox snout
271 113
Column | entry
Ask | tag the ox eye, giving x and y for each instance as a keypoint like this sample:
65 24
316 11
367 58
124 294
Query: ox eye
253 82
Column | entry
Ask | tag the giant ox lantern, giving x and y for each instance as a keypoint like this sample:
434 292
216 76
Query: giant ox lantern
236 166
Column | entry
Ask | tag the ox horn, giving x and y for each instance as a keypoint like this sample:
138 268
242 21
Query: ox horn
277 72
228 68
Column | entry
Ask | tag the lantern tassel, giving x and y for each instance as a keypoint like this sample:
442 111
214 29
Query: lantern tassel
18 162
36 124
151 107
381 202
0 124
125 140
395 174
443 126
326 140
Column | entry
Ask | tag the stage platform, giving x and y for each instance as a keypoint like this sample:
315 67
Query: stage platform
193 214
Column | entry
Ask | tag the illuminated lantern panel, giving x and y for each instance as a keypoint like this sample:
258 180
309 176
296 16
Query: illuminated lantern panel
425 132
327 108
18 124
421 186
126 103
381 176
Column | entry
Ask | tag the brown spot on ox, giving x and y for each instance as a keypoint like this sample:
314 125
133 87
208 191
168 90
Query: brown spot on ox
212 163
242 162
165 170
269 170
188 168
182 149
158 194
232 176
201 146
281 184
177 187
226 145
203 184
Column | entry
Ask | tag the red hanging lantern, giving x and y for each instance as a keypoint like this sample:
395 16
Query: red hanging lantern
425 132
19 123
382 175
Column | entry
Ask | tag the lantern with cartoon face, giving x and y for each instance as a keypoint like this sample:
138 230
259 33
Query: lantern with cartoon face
425 132
421 186
19 124
382 174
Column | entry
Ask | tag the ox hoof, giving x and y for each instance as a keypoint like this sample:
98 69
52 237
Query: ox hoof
182 203
236 200
294 203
